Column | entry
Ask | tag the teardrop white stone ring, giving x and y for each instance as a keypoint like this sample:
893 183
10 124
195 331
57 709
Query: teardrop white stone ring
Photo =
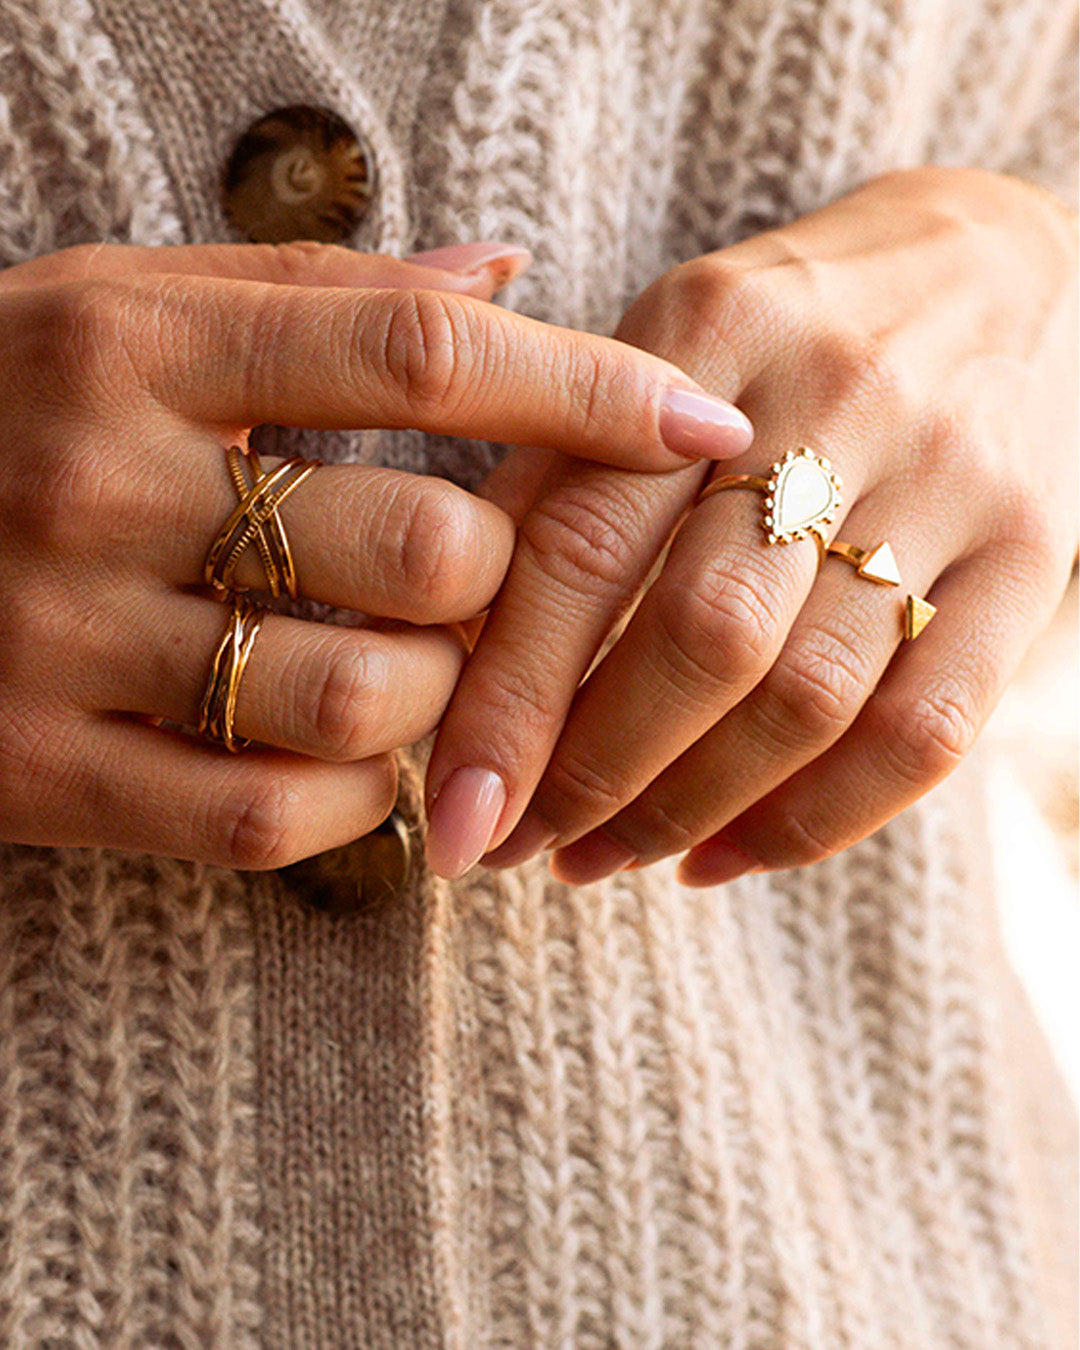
801 498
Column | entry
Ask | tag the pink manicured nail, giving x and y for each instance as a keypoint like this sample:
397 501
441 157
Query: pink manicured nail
530 835
503 261
703 427
591 858
715 861
463 819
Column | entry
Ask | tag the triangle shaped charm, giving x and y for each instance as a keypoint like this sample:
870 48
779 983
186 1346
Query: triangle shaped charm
917 614
803 495
879 565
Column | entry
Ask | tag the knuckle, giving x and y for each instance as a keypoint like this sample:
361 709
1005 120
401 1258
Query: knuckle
652 831
73 502
719 630
424 336
297 262
703 294
949 446
794 840
927 737
350 687
706 298
812 693
582 536
430 536
514 693
255 827
1027 529
854 367
81 330
596 389
575 789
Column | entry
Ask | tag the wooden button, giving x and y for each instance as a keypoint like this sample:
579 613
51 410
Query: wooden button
368 872
298 173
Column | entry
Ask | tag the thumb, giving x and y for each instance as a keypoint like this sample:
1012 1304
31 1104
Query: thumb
478 269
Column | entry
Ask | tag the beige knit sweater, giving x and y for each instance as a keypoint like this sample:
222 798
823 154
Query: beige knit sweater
802 1110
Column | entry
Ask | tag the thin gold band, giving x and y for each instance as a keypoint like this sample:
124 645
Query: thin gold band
255 519
849 552
218 711
733 480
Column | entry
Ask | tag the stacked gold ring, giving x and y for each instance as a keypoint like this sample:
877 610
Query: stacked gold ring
254 520
218 712
800 498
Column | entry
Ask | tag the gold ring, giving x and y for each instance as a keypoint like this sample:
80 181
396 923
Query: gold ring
255 520
218 710
878 564
800 497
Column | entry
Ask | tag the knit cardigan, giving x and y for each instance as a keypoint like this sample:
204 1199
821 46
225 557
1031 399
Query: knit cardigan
806 1109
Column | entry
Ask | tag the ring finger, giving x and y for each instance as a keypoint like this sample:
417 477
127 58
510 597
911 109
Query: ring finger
836 652
330 692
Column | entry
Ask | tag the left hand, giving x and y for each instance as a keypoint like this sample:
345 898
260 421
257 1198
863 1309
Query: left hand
920 334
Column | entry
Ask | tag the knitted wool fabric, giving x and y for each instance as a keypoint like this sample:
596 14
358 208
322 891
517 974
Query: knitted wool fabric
802 1110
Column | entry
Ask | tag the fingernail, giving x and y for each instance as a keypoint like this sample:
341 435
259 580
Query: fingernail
590 858
503 261
530 835
463 819
714 862
703 427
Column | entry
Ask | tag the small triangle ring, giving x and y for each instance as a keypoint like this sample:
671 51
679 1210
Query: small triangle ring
879 566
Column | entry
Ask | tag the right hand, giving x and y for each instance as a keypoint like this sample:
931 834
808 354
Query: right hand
124 372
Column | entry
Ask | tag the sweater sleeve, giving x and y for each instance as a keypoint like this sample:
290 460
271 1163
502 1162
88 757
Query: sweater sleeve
1049 151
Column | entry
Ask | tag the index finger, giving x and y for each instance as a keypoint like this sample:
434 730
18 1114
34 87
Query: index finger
236 353
582 553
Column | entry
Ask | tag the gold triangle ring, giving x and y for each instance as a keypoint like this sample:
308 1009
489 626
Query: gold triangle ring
878 565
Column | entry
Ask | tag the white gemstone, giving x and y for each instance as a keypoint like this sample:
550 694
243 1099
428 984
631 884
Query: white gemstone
805 496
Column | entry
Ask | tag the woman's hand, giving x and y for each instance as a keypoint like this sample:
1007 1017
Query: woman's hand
920 334
123 373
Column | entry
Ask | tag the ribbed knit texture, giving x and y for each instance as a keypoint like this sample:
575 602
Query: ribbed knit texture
791 1112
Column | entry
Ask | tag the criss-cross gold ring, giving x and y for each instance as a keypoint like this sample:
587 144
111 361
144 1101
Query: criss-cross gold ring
255 520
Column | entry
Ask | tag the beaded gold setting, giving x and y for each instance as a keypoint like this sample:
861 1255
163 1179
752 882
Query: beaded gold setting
802 497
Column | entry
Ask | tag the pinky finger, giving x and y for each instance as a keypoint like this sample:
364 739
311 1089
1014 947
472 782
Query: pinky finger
913 731
150 790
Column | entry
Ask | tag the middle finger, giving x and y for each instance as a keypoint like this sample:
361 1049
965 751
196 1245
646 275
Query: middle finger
381 541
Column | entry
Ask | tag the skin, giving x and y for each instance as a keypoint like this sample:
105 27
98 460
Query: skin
755 713
124 372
